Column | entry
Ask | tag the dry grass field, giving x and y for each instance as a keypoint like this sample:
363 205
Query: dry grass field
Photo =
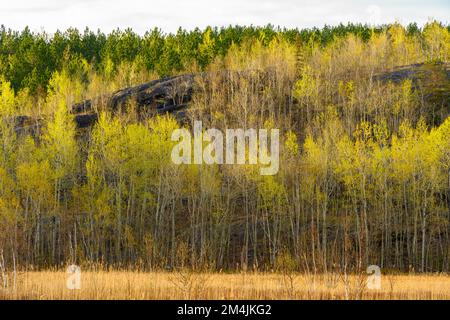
187 285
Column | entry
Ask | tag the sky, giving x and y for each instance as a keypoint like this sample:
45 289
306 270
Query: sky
169 15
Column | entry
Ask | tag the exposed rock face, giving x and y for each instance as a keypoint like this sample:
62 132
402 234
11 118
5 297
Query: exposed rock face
431 81
173 94
415 72
155 97
159 96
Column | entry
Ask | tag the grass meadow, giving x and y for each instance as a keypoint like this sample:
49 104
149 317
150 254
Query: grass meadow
109 285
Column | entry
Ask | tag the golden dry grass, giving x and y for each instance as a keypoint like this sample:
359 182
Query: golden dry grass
187 285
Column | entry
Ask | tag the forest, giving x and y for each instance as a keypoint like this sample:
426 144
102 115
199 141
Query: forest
364 178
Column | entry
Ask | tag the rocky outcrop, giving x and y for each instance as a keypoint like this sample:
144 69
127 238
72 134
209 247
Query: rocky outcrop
166 95
173 94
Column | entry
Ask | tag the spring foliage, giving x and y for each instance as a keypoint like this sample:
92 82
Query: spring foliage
365 164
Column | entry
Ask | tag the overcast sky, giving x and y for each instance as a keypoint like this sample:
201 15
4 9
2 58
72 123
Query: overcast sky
141 15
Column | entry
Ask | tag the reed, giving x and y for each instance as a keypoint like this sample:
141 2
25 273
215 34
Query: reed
112 285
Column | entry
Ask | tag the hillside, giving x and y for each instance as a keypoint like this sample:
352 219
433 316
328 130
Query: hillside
87 174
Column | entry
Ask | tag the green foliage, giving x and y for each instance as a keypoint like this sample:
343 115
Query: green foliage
58 143
29 59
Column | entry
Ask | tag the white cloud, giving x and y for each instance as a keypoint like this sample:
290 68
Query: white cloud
168 15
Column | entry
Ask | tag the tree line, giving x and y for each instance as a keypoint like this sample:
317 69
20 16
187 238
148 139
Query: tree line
28 59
